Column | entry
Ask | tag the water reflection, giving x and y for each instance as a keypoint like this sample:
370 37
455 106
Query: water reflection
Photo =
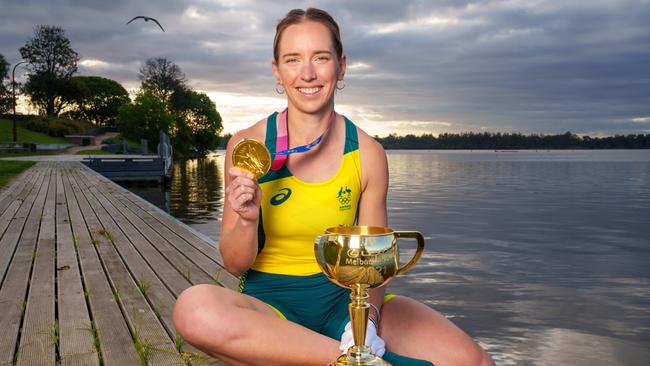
196 190
195 195
559 346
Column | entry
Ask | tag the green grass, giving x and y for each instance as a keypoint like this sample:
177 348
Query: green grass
11 168
25 135
55 335
92 152
96 344
107 234
144 286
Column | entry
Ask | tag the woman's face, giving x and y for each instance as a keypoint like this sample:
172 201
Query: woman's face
308 67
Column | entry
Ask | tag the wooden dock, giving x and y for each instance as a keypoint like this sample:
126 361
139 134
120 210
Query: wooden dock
89 272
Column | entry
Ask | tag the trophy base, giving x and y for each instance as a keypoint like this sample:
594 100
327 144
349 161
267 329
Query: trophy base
361 359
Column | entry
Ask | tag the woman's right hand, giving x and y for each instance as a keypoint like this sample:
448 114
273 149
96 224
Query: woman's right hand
243 194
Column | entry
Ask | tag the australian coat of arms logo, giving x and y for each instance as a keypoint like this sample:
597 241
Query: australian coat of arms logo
344 196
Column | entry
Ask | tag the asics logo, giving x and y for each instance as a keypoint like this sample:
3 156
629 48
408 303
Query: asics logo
281 197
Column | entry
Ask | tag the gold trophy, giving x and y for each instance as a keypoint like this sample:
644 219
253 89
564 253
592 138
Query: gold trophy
359 258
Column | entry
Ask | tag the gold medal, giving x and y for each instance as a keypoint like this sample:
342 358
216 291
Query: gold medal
252 156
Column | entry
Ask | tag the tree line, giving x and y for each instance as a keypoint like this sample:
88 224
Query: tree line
503 141
164 100
513 141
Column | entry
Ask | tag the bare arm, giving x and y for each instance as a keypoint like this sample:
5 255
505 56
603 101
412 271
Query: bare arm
372 206
238 242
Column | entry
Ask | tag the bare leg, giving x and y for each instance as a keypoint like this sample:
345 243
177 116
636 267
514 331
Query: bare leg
242 330
415 330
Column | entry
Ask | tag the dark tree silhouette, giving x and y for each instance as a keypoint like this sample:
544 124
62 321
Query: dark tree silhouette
52 62
98 100
5 94
161 77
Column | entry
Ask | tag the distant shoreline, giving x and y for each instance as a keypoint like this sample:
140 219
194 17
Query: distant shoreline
505 142
513 141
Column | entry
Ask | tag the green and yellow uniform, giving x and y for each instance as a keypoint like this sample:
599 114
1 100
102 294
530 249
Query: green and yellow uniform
285 274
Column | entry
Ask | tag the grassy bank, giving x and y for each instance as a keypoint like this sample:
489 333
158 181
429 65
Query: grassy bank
11 168
25 135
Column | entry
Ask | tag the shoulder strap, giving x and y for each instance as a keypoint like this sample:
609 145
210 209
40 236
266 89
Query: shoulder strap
351 137
271 132
281 140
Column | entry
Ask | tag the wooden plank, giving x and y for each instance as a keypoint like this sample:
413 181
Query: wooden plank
153 271
75 329
152 228
20 189
145 327
110 327
38 339
18 184
205 245
27 184
14 287
155 247
8 215
49 218
15 183
143 322
190 353
12 235
174 230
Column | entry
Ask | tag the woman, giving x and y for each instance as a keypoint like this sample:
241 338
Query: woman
288 313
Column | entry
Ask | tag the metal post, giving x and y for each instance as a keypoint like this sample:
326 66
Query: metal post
13 86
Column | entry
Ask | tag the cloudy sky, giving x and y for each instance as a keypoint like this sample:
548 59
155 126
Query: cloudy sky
414 66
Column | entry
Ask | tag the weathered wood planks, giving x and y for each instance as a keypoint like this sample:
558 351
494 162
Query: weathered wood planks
89 272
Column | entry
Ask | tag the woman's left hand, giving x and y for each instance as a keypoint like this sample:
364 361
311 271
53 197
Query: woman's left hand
243 194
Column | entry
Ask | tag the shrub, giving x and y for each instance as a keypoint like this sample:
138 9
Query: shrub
55 126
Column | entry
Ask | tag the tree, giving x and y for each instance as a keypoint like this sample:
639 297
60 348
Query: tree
145 118
50 94
52 62
193 122
99 100
161 77
200 115
5 94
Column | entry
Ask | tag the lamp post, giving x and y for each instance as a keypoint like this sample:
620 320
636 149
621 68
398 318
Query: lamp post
13 86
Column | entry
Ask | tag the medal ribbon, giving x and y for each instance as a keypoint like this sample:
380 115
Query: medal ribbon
282 140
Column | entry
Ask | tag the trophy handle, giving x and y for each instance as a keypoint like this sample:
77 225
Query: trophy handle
319 242
418 251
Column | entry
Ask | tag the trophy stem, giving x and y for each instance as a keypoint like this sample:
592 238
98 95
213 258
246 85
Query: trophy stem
359 311
359 354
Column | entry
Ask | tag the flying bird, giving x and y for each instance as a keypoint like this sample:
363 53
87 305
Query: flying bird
146 19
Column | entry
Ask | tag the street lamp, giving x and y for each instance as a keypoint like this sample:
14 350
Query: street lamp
13 85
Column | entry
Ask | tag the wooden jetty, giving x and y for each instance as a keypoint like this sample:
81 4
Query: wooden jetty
90 272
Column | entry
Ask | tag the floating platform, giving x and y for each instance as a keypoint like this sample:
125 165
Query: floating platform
130 169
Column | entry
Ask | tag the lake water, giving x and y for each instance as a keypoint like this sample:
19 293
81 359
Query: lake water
541 256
